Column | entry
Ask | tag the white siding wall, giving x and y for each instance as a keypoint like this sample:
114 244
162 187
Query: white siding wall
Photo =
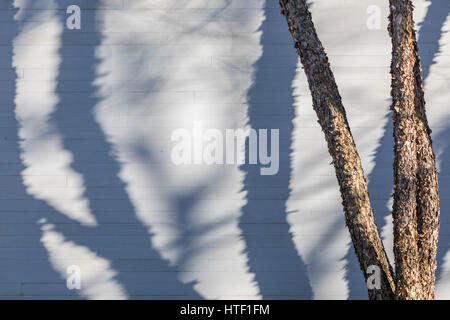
86 118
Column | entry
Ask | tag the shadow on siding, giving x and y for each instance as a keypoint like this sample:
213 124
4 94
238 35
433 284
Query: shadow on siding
143 272
25 271
272 256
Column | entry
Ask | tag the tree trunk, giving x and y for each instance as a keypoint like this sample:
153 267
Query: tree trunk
327 103
416 199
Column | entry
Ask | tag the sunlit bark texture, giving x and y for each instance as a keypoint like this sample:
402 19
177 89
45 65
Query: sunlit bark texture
327 103
416 200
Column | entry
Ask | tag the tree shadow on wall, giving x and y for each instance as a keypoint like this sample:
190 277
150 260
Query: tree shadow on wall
272 256
25 271
119 236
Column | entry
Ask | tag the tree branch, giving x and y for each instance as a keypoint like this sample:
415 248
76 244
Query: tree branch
416 199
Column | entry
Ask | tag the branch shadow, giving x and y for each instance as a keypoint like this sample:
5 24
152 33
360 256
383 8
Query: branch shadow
25 270
431 31
272 257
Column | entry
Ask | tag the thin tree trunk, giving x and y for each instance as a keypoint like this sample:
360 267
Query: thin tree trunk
416 199
330 111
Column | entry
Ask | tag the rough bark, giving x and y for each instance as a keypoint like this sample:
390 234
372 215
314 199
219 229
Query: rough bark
416 200
330 111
